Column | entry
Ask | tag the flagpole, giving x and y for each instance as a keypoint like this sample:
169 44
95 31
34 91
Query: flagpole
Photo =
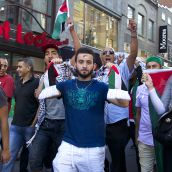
68 13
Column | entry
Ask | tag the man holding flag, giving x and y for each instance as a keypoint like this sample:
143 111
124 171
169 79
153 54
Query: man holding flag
164 79
144 122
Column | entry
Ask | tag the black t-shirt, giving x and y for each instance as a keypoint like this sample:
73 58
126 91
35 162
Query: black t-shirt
3 99
26 104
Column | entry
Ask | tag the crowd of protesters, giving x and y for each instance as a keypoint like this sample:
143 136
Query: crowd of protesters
63 120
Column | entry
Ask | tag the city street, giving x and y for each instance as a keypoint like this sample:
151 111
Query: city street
82 71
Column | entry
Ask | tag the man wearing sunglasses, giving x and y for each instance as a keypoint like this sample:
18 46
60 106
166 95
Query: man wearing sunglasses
117 134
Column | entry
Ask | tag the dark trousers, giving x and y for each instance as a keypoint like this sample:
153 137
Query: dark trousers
132 136
167 159
46 143
117 137
24 157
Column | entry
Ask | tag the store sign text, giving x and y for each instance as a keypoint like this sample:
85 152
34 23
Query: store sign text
163 37
28 38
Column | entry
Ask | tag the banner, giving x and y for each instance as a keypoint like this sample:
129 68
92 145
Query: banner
163 38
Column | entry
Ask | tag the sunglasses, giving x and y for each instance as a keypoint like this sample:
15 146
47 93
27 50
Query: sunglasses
110 52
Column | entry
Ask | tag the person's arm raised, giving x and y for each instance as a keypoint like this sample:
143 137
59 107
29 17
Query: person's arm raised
75 38
133 46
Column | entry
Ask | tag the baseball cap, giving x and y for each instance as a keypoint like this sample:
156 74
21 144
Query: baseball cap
49 45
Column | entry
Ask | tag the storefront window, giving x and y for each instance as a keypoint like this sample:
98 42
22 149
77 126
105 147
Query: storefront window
40 9
38 5
79 18
2 11
94 27
15 58
38 64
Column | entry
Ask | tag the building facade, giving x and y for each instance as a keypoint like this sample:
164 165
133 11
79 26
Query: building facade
145 13
165 19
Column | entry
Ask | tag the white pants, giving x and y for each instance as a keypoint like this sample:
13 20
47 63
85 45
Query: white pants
74 159
147 157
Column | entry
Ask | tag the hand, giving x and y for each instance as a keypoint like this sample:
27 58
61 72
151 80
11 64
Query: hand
5 156
39 89
132 26
37 92
70 24
137 63
109 65
146 78
120 59
57 60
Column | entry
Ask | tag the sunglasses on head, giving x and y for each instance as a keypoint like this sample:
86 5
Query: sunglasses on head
108 52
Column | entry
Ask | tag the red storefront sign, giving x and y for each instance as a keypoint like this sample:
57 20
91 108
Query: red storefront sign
28 38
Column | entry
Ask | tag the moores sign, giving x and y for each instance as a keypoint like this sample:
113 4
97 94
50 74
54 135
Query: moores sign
163 38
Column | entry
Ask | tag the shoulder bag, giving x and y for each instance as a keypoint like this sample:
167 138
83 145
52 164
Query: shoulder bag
163 132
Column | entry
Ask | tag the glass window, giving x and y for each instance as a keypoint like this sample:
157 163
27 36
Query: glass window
79 18
29 23
38 64
169 20
41 19
2 13
163 16
130 14
94 27
40 9
140 24
38 5
150 29
15 58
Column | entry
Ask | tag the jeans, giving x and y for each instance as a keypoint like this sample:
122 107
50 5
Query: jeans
117 137
46 144
75 159
18 137
147 157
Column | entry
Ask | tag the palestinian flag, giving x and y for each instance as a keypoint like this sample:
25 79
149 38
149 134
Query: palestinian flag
114 78
61 17
159 78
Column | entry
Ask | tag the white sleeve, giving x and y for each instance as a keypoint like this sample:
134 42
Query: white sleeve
118 94
49 92
156 101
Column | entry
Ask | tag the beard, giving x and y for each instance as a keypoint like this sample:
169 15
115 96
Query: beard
84 75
